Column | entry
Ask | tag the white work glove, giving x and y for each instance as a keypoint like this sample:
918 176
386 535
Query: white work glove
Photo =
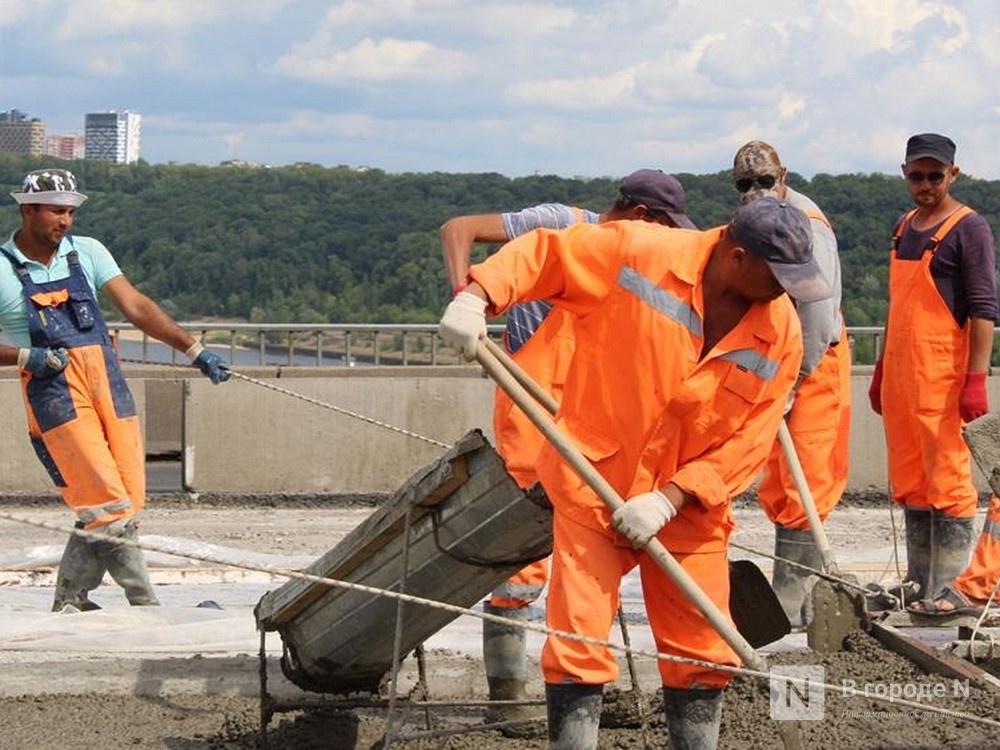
463 322
642 516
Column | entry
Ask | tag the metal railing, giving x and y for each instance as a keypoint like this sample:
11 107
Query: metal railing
351 344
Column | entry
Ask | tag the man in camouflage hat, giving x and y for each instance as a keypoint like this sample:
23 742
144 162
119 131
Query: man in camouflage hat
819 413
82 419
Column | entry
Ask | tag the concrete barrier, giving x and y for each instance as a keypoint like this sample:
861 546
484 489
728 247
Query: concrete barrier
243 437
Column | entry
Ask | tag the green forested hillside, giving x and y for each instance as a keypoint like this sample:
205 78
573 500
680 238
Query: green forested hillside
316 244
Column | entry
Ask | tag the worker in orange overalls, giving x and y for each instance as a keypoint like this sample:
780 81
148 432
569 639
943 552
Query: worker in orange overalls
82 419
975 588
686 351
932 374
819 411
540 339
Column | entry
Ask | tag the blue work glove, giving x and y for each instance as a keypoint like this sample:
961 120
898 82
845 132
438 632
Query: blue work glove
42 362
212 365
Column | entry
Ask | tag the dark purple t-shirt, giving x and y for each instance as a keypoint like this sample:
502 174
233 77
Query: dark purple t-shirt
964 266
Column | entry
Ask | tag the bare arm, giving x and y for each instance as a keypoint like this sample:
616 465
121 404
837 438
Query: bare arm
980 344
459 234
146 315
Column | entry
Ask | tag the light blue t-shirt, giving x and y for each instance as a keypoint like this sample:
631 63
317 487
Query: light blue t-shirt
97 264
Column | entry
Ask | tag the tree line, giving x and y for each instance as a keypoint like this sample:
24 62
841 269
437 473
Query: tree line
308 243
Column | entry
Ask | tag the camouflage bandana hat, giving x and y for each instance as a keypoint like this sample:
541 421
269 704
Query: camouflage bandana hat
756 171
49 187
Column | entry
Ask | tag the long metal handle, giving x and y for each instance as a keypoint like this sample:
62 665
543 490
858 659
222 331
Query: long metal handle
805 495
499 366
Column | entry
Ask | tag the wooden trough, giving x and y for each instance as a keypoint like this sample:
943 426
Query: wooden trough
469 528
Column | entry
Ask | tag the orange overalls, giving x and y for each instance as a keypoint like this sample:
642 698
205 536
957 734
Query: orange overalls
643 405
82 421
545 357
819 424
923 370
979 579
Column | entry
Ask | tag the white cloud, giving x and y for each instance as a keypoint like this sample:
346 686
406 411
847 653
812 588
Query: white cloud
517 86
372 60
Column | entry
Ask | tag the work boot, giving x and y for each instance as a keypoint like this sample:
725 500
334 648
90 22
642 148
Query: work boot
574 712
126 563
80 572
918 556
791 583
951 544
693 717
506 666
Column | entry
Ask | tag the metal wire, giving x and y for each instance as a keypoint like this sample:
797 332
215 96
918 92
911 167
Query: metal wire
308 400
408 598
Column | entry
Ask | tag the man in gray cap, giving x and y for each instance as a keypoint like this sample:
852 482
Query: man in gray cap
819 412
687 347
645 195
932 374
81 416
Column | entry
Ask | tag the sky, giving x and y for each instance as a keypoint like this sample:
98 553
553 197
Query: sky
575 89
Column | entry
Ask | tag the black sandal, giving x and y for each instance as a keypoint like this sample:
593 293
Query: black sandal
961 604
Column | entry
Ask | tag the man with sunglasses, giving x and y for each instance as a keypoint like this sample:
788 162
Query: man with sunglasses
932 374
819 412
540 339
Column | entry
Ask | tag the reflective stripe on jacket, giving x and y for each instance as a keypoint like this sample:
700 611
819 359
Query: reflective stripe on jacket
639 401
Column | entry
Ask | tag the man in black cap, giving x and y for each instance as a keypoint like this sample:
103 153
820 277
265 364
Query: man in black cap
543 351
687 347
932 374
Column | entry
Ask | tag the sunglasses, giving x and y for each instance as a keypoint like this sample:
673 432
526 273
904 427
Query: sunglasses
935 178
765 181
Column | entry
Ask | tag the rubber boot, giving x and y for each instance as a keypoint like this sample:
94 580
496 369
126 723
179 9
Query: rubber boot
80 572
694 716
952 540
126 563
574 715
506 666
791 583
918 555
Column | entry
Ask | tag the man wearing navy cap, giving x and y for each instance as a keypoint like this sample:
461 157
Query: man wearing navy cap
687 347
932 374
541 342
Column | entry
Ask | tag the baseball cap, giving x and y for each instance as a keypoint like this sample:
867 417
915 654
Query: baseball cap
780 234
756 171
658 191
930 146
49 187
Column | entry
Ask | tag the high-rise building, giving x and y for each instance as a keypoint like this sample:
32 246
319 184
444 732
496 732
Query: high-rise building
112 136
65 146
20 134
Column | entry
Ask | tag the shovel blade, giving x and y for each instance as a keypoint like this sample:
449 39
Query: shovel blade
982 435
753 605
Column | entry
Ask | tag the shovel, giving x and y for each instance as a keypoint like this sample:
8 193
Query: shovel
837 612
499 366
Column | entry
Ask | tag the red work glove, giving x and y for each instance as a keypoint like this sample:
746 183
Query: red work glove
875 389
972 401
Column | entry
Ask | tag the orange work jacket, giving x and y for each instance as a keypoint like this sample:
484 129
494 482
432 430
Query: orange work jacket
639 401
